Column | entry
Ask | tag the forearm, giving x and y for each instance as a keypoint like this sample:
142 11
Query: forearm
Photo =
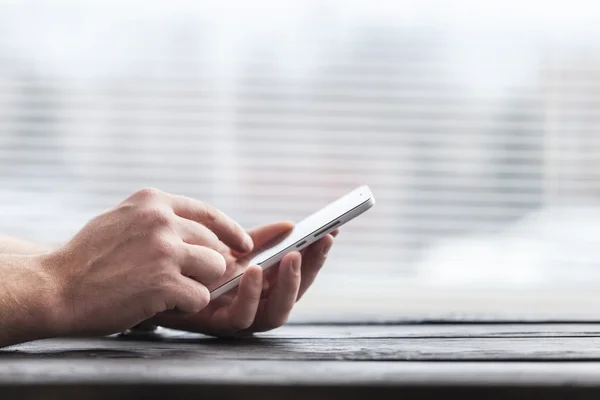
9 245
28 300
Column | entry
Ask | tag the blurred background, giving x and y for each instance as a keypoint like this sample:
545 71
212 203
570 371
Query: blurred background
475 123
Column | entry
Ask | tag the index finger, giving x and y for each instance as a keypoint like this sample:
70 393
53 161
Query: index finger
226 229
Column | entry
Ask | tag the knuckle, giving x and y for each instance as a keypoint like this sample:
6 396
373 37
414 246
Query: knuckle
167 291
154 216
164 277
169 301
126 208
160 217
162 293
153 307
209 237
237 230
147 193
162 244
210 214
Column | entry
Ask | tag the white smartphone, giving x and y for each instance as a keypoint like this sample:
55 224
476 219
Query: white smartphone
308 231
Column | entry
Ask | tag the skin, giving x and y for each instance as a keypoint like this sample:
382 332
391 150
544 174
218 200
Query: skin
151 258
263 301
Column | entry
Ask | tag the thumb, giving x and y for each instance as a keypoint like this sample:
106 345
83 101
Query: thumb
267 235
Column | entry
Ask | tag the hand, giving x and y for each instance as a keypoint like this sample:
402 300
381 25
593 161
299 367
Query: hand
262 301
151 253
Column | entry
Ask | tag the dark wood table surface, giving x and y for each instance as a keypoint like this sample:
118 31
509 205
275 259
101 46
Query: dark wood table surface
395 360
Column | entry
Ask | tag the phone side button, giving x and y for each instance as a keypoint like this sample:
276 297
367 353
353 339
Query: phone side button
302 243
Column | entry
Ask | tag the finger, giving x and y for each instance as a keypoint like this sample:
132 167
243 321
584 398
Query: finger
335 233
283 296
190 297
202 264
242 311
312 261
226 229
264 236
270 277
194 233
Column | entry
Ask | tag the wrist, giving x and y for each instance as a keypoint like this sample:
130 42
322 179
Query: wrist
28 306
57 307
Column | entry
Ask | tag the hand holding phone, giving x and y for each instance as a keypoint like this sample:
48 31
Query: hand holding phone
305 233
264 299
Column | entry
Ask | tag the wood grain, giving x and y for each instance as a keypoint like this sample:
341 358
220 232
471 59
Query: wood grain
466 359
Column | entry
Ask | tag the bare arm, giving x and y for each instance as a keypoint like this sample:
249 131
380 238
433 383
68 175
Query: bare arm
10 245
153 252
28 300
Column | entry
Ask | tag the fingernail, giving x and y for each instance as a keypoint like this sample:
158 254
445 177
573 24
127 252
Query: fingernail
257 278
295 266
248 243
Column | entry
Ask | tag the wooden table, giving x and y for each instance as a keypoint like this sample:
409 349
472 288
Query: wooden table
403 360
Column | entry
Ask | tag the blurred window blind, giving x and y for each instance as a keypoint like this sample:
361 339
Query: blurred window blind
460 132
